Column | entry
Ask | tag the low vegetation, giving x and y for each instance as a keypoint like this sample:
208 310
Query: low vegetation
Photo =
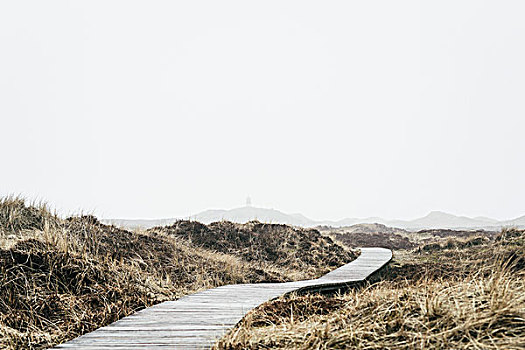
305 252
379 235
462 293
371 235
61 278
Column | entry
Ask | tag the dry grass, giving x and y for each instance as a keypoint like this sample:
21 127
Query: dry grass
378 235
62 278
17 217
458 296
305 253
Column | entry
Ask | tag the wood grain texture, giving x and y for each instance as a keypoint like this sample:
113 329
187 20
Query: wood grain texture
196 321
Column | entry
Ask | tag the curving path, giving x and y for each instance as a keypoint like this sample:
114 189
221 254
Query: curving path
196 321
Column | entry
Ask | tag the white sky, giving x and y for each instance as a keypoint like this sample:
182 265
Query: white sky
139 109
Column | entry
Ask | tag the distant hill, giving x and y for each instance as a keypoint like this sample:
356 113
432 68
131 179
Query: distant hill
245 214
435 219
519 222
240 215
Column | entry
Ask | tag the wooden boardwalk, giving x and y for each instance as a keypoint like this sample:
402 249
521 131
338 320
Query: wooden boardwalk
196 321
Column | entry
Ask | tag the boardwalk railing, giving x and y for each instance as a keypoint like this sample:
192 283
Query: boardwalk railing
196 321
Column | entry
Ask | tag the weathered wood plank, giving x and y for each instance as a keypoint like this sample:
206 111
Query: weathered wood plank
196 321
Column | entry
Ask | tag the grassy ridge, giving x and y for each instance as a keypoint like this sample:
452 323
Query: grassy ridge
304 252
61 278
461 294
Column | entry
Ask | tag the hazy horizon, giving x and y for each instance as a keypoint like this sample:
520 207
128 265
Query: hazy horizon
314 219
133 109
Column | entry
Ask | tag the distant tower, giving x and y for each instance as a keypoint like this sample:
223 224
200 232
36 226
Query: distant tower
248 201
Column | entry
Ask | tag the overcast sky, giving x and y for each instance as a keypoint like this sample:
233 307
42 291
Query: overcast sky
150 109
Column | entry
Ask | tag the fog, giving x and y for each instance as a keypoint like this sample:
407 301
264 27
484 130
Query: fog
151 109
